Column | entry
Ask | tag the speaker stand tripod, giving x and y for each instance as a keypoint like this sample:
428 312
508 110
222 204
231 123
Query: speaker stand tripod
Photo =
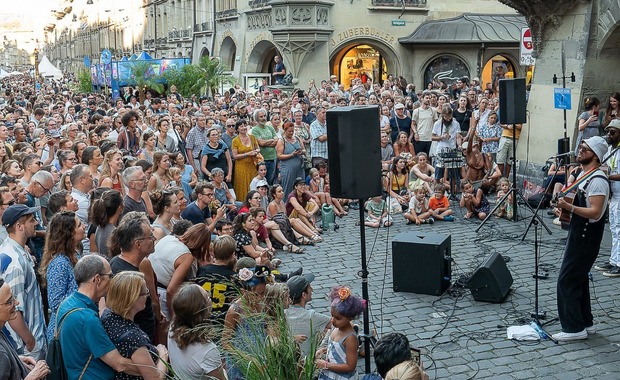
514 191
364 275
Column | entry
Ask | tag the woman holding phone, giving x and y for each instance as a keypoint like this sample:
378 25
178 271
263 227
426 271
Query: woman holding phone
589 122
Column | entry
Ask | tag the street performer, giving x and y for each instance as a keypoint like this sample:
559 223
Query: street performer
583 242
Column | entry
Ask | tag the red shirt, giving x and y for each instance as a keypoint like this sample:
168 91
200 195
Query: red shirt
435 203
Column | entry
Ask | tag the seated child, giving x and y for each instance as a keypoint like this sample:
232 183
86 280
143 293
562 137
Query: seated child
474 201
377 213
505 209
418 208
440 205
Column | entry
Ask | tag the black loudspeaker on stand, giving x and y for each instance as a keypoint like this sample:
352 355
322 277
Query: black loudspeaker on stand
354 144
512 104
421 263
492 280
353 141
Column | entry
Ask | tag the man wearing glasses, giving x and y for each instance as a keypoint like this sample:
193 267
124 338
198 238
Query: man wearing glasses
31 164
198 211
135 179
40 185
136 241
28 328
583 243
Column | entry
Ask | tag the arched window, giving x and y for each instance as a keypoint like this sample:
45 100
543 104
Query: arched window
444 70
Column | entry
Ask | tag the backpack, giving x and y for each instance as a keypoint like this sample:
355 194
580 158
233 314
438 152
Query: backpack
54 354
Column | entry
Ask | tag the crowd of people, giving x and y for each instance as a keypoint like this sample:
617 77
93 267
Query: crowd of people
142 231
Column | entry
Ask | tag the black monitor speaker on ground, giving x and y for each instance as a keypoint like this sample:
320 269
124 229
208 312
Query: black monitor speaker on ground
421 263
354 151
512 102
491 282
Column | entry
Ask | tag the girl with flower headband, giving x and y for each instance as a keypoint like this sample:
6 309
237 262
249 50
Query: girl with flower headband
341 354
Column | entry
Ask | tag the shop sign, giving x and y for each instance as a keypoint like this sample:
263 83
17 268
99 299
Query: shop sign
398 22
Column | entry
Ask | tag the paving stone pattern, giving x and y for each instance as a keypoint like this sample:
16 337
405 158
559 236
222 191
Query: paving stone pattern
461 338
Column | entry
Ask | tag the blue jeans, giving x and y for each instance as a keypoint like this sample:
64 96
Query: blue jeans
271 171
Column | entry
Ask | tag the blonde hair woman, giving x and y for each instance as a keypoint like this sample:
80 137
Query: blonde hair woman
127 296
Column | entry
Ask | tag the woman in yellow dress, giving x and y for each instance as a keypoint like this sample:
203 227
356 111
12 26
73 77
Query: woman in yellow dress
244 149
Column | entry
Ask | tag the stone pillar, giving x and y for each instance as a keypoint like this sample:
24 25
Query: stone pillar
553 23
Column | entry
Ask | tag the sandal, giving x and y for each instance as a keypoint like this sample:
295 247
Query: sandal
305 241
295 249
316 239
287 248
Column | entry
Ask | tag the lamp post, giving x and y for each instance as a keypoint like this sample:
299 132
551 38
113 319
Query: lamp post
36 68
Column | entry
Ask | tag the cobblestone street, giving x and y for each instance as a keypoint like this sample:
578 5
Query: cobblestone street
461 338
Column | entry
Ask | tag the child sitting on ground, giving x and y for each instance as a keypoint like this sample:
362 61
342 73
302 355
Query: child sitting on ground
505 209
474 201
377 213
440 205
418 208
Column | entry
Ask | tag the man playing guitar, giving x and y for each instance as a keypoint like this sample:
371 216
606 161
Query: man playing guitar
583 242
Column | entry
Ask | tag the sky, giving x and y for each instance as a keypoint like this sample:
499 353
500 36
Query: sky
24 20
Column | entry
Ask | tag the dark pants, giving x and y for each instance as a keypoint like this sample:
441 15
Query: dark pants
422 146
582 248
271 171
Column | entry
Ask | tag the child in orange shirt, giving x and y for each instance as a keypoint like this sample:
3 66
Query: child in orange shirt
440 205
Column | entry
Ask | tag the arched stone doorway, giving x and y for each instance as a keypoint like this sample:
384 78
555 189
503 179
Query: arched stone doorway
204 53
228 52
260 59
363 59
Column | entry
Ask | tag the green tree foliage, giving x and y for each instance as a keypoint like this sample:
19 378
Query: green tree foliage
213 75
187 80
85 81
139 71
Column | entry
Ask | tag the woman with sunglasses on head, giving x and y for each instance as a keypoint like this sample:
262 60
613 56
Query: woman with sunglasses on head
65 232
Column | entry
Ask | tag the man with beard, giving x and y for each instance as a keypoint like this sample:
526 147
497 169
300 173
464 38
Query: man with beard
583 242
422 120
216 277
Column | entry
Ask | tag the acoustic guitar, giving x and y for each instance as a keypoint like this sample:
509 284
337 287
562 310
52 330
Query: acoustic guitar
566 215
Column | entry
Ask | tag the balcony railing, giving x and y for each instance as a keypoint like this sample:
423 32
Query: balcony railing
202 27
399 3
258 3
232 12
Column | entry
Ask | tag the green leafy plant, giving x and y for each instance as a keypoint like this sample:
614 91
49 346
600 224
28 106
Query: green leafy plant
187 79
275 356
213 75
85 82
145 80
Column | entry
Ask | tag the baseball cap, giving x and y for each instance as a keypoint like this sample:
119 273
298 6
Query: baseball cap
298 284
262 183
14 212
299 180
399 106
597 144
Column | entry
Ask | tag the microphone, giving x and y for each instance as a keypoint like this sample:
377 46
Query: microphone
567 154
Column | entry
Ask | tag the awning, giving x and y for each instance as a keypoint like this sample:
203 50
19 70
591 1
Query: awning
468 28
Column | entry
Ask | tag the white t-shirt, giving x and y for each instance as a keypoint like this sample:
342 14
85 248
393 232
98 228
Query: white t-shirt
453 129
596 186
167 251
194 361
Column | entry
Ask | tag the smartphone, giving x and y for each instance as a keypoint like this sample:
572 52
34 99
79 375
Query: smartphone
596 113
415 355
300 93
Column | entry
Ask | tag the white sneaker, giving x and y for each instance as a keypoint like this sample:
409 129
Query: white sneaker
591 330
566 337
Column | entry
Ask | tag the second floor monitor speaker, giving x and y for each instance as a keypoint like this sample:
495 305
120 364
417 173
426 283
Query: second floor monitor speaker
512 104
492 280
354 151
